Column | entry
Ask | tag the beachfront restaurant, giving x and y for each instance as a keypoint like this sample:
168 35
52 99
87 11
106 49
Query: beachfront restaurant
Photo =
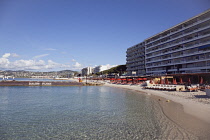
182 82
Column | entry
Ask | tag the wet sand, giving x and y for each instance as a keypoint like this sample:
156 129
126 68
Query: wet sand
188 118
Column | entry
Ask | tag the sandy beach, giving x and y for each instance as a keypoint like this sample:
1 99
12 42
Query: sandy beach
194 103
189 110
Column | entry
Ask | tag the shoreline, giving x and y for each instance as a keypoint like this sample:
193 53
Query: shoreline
187 113
195 108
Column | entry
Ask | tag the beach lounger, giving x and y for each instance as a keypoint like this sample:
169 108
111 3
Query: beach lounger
189 88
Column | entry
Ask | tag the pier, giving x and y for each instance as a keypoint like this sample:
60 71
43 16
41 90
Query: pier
39 83
48 83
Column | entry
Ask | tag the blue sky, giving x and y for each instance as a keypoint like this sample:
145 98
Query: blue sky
46 35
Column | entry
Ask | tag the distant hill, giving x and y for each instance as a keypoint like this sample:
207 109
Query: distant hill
62 71
22 73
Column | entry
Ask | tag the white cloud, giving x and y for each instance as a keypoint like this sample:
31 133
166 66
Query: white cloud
14 55
6 55
40 56
29 64
77 65
73 60
4 62
50 49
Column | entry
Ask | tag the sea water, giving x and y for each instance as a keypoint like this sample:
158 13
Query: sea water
87 112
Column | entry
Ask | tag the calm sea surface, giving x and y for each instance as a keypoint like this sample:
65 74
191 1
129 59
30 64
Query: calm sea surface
96 112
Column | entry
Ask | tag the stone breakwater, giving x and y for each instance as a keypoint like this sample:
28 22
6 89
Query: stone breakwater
93 84
40 83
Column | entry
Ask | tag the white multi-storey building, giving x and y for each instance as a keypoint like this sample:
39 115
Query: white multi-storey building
86 71
100 68
184 48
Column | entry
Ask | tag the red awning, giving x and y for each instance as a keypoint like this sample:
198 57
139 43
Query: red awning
166 81
181 82
162 81
201 81
189 81
174 81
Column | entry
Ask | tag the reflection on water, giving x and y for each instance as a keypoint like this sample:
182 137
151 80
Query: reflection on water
82 113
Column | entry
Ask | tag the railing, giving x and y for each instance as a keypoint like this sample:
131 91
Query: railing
188 47
183 28
176 63
179 37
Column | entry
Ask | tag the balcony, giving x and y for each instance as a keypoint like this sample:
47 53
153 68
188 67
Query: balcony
151 65
150 55
182 29
172 39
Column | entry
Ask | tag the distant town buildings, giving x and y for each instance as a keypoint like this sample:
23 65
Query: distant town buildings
91 70
184 48
31 74
101 68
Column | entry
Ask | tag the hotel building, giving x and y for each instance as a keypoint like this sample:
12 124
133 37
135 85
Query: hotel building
184 48
86 71
100 68
91 70
135 61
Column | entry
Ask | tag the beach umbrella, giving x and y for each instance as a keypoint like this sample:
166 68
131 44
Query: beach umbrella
162 81
181 82
144 79
135 80
129 79
189 81
151 82
174 81
201 81
166 81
